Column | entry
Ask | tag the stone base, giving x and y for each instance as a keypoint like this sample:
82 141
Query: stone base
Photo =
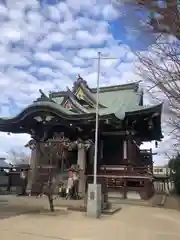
94 200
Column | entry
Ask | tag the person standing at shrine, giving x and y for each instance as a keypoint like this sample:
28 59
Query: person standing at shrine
76 181
69 184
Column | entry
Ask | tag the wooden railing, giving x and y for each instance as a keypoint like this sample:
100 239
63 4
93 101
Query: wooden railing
125 170
124 183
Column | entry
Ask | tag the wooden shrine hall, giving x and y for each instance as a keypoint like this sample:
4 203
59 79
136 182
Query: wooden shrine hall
62 127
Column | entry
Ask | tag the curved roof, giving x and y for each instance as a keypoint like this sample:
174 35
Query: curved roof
117 103
120 100
49 108
46 106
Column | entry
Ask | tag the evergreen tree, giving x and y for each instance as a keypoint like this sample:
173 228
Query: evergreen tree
174 165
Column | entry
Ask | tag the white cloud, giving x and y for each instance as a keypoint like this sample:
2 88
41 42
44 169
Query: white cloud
87 53
77 61
54 38
86 38
110 13
47 71
54 14
44 57
3 11
46 46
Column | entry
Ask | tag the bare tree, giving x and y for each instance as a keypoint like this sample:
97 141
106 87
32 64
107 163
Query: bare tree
44 171
160 70
164 16
16 157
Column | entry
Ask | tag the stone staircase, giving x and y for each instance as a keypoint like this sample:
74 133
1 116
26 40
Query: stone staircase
158 200
134 199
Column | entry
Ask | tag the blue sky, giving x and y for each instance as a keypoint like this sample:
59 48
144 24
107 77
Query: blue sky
46 45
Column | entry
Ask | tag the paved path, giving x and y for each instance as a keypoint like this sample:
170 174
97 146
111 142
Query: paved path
132 222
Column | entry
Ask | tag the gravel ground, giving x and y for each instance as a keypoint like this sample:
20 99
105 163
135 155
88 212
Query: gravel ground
20 219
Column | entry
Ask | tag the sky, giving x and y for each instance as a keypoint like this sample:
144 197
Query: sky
46 44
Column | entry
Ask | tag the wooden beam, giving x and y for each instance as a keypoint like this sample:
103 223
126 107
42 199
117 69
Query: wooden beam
117 133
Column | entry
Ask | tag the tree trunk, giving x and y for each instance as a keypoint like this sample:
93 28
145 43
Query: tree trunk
51 203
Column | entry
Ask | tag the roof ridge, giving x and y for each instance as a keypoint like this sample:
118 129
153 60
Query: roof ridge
127 86
57 94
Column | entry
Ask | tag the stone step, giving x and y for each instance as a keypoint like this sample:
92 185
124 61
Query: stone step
158 200
130 195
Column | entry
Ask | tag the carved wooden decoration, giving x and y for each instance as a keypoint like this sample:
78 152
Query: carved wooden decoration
49 155
68 105
78 82
80 94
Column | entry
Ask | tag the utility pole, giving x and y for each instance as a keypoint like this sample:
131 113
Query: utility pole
94 202
94 189
97 120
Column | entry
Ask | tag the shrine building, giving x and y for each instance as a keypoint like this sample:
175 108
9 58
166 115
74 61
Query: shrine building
124 124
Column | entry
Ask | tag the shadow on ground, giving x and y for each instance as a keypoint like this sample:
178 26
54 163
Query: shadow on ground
11 206
172 202
7 210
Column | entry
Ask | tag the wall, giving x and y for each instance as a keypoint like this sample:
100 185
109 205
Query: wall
133 153
3 180
112 153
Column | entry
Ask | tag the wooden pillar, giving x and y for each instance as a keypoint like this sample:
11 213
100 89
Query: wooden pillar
101 150
130 151
164 185
125 160
100 153
81 161
125 151
33 158
151 160
33 165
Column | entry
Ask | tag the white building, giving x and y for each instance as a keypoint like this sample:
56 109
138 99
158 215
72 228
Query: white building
161 171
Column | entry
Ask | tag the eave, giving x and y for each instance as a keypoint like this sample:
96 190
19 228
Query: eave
26 120
36 109
143 118
146 110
